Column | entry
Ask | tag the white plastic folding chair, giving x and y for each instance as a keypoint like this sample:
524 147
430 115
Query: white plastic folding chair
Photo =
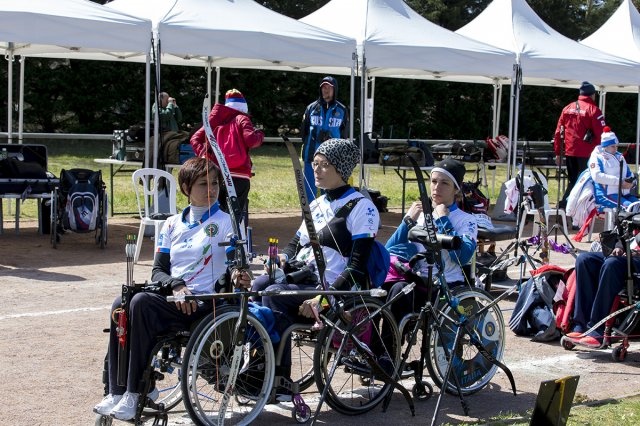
154 189
548 211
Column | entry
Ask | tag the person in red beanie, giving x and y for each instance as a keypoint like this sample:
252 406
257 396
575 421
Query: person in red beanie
236 135
581 122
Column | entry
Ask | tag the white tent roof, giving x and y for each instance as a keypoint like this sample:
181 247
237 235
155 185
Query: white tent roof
398 42
242 33
620 35
70 29
547 57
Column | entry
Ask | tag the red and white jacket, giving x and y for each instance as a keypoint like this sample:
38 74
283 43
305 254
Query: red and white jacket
235 135
577 118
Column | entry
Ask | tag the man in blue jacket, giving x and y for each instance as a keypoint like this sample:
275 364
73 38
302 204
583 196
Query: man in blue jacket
325 118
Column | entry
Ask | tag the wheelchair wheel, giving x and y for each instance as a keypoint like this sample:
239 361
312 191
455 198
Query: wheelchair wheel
471 368
354 388
103 420
625 325
303 342
101 229
53 220
207 364
406 327
167 363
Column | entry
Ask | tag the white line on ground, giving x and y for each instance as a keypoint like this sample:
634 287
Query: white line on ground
45 313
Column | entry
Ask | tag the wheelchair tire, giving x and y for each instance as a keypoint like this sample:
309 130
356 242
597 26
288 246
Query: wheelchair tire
103 420
101 231
303 343
472 370
355 390
167 361
53 219
207 361
406 326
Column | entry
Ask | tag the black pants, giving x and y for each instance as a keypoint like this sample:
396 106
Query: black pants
575 166
150 316
285 311
242 187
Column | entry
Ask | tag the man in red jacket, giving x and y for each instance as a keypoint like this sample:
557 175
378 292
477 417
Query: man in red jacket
234 131
581 122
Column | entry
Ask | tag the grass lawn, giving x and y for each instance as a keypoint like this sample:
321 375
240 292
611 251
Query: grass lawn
272 189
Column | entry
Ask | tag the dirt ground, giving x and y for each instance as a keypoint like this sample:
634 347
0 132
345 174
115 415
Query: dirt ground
56 305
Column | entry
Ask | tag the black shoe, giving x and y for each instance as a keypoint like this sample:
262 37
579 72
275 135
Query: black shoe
361 367
386 364
356 365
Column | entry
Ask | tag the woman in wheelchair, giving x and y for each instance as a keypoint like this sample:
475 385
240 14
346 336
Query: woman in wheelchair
188 260
446 181
599 279
346 242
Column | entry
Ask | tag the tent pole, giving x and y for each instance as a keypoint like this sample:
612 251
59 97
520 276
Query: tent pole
638 134
513 100
9 58
207 70
218 72
21 100
516 114
147 107
602 103
352 98
156 120
363 102
497 95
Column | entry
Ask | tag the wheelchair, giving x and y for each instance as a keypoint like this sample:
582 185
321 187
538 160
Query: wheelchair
207 361
163 373
619 327
80 205
624 315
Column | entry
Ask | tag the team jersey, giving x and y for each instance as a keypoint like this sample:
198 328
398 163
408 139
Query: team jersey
195 254
457 223
363 222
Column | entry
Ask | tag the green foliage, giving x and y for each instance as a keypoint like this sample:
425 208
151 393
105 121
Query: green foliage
72 96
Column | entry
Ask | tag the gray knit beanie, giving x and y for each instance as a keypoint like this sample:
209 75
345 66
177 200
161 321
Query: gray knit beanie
342 154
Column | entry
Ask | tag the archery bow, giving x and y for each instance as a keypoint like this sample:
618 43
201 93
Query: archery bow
240 259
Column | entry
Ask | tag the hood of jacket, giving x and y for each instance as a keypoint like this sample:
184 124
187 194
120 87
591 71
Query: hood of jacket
222 114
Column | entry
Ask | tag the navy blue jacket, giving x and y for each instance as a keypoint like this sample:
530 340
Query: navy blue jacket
323 120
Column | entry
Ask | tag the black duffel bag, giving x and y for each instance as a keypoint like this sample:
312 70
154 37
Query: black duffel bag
396 156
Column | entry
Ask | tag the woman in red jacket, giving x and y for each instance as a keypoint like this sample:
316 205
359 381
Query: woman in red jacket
234 131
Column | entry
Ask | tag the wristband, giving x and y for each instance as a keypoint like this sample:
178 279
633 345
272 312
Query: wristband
409 222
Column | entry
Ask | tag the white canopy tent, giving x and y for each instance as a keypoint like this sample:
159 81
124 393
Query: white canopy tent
395 41
67 28
239 34
620 35
544 56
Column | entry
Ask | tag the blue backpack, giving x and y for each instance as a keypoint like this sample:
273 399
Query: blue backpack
379 258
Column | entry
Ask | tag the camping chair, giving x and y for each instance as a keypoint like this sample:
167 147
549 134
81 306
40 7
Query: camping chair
153 187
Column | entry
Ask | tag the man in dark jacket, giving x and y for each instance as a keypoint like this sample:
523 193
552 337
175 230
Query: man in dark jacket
325 118
582 123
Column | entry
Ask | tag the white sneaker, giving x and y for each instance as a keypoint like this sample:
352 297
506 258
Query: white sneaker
126 408
106 405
